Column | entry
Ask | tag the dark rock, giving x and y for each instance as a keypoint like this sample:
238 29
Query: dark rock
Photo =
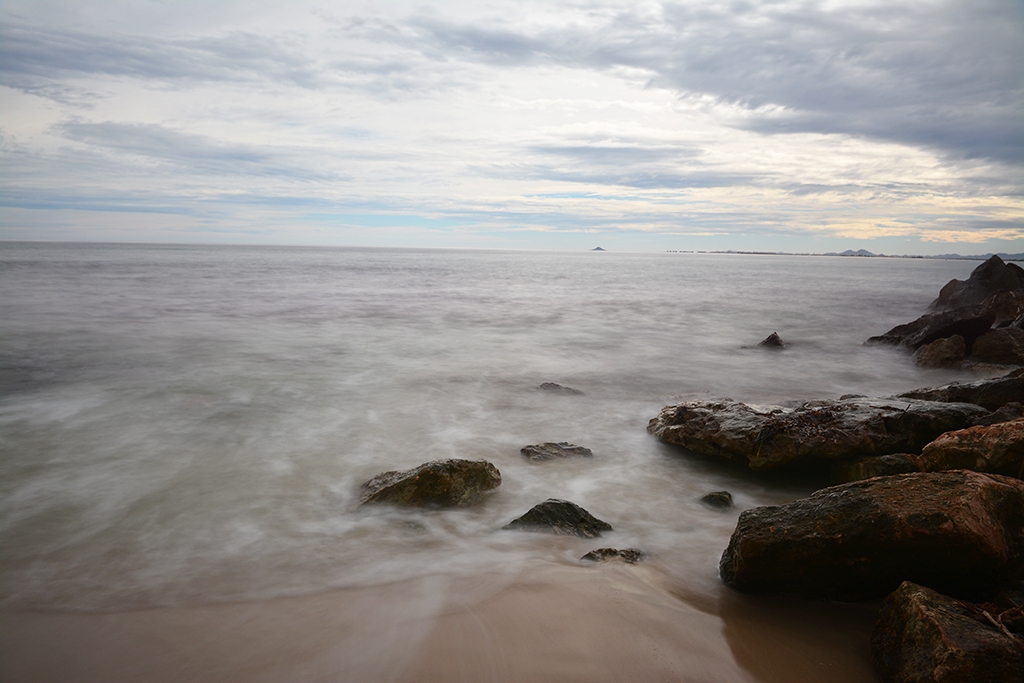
844 471
922 635
559 389
628 555
992 394
439 483
995 448
770 437
1005 345
773 341
1011 411
560 517
718 499
552 451
942 353
969 322
990 277
959 532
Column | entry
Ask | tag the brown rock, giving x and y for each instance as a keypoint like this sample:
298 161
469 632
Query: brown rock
959 532
773 340
553 451
439 483
995 448
942 353
1004 345
844 471
560 517
970 322
923 636
990 277
992 394
627 555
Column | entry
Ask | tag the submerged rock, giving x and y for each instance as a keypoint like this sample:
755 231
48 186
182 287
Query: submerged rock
627 555
995 448
718 499
922 635
439 483
559 389
771 437
773 340
553 451
990 277
959 532
560 517
991 394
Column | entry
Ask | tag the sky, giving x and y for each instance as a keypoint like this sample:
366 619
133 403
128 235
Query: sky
777 125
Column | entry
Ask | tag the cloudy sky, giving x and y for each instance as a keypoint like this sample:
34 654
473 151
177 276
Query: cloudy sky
895 126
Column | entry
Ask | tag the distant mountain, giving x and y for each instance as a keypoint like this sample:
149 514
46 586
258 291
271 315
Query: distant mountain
597 249
851 252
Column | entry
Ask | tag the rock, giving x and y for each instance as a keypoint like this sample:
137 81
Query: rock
772 341
551 451
942 353
992 394
990 277
1004 345
844 471
1011 411
559 389
439 483
560 517
718 499
770 437
925 636
628 555
968 322
995 448
958 532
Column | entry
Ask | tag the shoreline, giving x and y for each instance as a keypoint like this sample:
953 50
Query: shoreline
606 623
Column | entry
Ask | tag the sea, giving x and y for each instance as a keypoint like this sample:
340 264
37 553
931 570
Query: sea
190 425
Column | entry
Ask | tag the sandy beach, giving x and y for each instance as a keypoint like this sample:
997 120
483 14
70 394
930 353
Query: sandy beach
612 622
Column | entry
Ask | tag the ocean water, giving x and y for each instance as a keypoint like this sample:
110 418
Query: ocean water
185 425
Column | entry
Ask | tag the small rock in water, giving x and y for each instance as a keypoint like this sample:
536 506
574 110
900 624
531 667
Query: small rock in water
773 340
551 451
560 517
439 483
559 389
718 499
628 555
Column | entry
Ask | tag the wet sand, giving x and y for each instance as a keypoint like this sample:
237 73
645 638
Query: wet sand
557 622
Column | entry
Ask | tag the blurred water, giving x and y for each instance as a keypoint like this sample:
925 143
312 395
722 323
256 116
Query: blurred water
185 424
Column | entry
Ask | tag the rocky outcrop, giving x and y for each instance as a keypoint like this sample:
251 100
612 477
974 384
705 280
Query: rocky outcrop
553 388
942 353
958 532
560 517
1004 346
627 555
990 277
554 451
925 636
970 322
995 448
721 500
768 437
992 394
439 483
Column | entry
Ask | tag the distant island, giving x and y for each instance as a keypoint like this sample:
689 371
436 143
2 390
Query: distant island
597 249
859 252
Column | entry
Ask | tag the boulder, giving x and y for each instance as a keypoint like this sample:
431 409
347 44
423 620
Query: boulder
958 532
560 517
992 394
768 437
627 555
1004 345
995 448
1011 411
990 277
856 469
922 635
773 340
942 353
439 483
718 499
552 451
559 389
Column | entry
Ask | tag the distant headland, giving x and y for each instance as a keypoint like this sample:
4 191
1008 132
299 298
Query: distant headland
864 253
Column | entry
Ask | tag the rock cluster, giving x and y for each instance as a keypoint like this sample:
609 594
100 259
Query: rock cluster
980 319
